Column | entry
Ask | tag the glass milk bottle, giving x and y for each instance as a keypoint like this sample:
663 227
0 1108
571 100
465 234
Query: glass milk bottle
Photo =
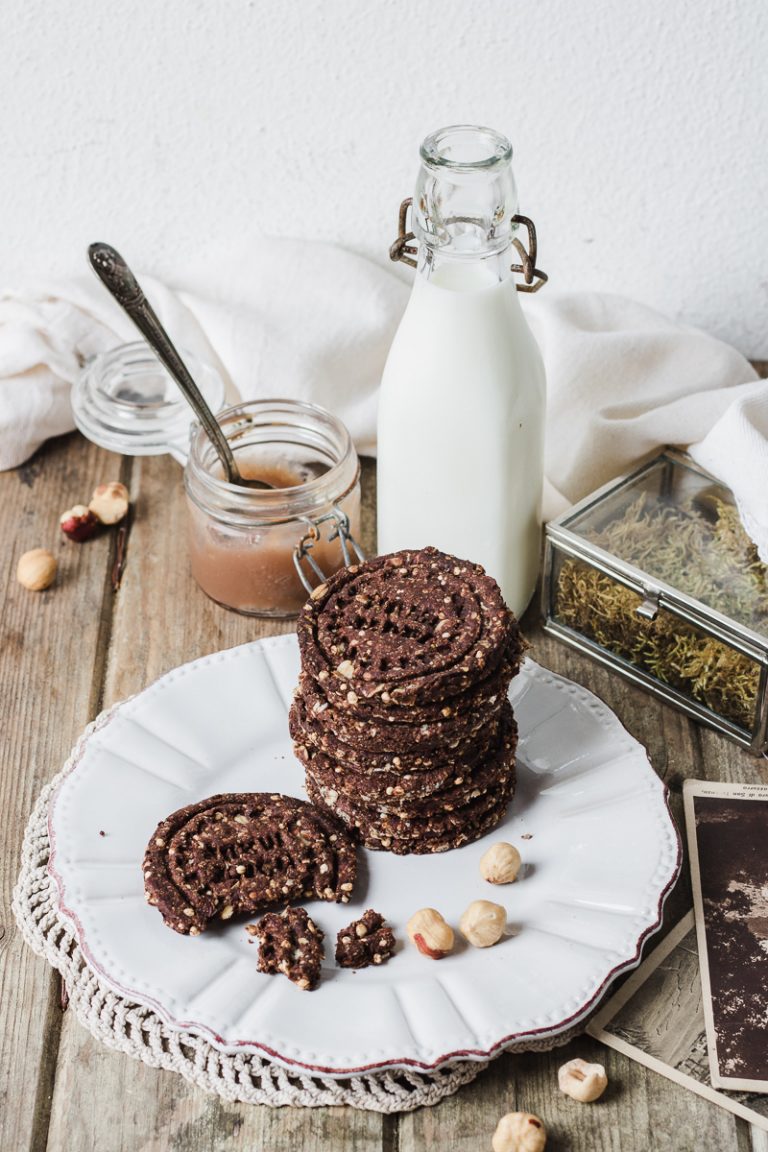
461 413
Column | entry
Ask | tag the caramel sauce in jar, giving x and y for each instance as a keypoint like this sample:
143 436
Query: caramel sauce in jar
242 540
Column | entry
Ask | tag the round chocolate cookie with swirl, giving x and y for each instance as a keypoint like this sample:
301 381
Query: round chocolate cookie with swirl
311 734
419 834
243 851
478 698
419 793
396 733
409 628
421 845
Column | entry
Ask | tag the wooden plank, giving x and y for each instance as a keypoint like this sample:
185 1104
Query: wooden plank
759 1139
723 760
120 1104
49 643
640 1110
102 1099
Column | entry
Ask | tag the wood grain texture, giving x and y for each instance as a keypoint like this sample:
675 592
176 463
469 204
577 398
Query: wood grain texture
80 647
640 1110
50 645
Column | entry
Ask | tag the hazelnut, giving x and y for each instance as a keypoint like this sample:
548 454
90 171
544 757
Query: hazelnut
582 1081
36 569
519 1132
430 933
500 864
78 523
110 502
483 923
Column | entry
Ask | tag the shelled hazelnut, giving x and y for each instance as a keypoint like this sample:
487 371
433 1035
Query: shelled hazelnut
500 864
582 1081
430 933
79 523
483 923
36 569
110 502
519 1132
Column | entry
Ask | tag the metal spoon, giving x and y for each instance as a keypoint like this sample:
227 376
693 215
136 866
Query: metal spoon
117 277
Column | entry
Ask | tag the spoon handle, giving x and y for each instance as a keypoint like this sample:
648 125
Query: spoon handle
118 278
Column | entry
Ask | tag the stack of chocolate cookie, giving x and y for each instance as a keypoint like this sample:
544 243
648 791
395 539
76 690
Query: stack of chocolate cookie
401 716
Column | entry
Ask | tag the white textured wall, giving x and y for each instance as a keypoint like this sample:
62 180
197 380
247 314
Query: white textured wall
167 125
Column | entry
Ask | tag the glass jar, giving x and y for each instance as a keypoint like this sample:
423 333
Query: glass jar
242 541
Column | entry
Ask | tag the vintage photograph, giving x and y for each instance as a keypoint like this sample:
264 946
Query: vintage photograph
657 1018
727 833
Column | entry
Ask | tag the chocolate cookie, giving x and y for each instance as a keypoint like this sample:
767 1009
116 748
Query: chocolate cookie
411 626
365 941
473 700
412 795
240 852
395 734
374 787
455 839
308 731
369 823
290 942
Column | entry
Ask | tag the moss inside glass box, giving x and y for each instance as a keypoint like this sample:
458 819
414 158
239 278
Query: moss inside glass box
685 534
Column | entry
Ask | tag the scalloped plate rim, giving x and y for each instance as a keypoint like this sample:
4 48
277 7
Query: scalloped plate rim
461 1054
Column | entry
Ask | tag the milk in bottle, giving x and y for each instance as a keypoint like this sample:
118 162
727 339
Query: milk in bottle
461 414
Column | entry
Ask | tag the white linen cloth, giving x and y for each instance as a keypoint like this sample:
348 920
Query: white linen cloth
314 322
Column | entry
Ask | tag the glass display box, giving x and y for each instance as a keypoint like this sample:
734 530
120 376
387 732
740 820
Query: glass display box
654 576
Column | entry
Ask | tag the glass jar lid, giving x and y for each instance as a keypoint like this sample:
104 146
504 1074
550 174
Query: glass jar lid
126 401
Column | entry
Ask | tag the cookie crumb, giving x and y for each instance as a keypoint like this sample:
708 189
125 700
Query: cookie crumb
366 941
291 943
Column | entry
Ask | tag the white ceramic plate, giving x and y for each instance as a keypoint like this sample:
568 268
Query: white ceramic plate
590 817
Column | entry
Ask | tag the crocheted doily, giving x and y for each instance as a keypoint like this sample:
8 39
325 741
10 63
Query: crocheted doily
141 1033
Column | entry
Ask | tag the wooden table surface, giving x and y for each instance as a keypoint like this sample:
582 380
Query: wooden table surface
77 648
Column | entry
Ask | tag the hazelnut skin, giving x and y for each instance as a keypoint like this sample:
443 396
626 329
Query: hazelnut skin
430 933
36 569
79 523
519 1132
